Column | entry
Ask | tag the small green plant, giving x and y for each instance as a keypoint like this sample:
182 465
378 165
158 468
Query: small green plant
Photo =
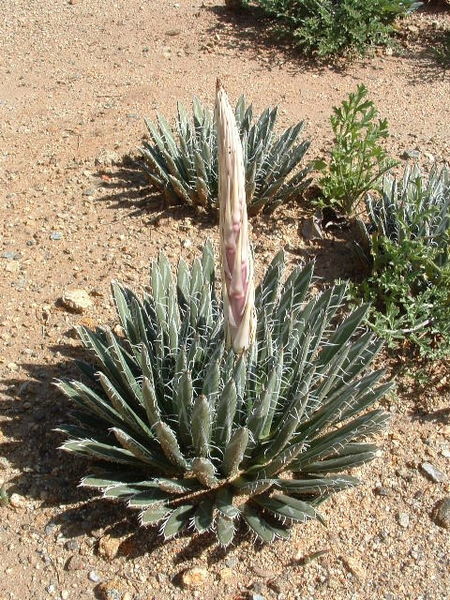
410 280
358 160
208 413
330 27
181 162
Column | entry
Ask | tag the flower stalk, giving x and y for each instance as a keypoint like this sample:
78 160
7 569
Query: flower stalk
237 263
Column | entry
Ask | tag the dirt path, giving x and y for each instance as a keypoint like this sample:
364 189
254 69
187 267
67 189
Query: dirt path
77 78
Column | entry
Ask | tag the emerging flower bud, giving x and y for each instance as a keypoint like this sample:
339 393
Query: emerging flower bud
237 263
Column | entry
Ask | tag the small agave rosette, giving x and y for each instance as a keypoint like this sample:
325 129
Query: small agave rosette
237 263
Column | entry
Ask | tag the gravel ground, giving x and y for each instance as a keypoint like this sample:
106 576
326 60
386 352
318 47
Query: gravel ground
77 79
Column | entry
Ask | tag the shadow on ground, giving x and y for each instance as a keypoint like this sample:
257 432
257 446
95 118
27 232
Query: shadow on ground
125 185
250 29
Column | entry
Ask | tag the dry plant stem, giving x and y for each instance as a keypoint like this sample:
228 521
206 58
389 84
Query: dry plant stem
237 263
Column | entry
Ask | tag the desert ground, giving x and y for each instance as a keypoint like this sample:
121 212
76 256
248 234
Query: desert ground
77 79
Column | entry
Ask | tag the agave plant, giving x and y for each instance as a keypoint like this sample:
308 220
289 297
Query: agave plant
414 207
409 258
206 420
182 163
197 435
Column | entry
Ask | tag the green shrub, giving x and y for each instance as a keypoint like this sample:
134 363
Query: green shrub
181 162
196 435
327 27
410 280
358 159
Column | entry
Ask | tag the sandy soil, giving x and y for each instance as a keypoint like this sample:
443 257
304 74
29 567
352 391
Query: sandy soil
77 79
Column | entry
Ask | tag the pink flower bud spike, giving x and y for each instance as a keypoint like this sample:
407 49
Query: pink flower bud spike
237 262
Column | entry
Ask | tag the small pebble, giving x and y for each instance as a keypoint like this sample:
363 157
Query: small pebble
94 577
108 547
381 491
403 520
442 513
231 561
433 473
195 577
50 528
64 595
74 563
11 255
72 545
412 154
16 500
77 300
56 235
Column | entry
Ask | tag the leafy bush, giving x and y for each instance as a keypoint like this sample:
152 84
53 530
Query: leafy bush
326 27
182 162
410 280
358 160
197 435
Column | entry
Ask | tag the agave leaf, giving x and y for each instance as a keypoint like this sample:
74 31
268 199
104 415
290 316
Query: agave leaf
342 335
252 488
278 463
181 190
150 402
176 486
88 399
204 515
93 341
166 135
286 507
235 451
139 451
225 530
106 479
260 421
102 451
127 414
169 445
177 520
182 402
205 472
346 401
201 422
149 497
211 381
258 524
123 372
357 429
121 491
224 503
201 192
343 460
226 409
183 282
288 424
120 295
154 514
316 486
